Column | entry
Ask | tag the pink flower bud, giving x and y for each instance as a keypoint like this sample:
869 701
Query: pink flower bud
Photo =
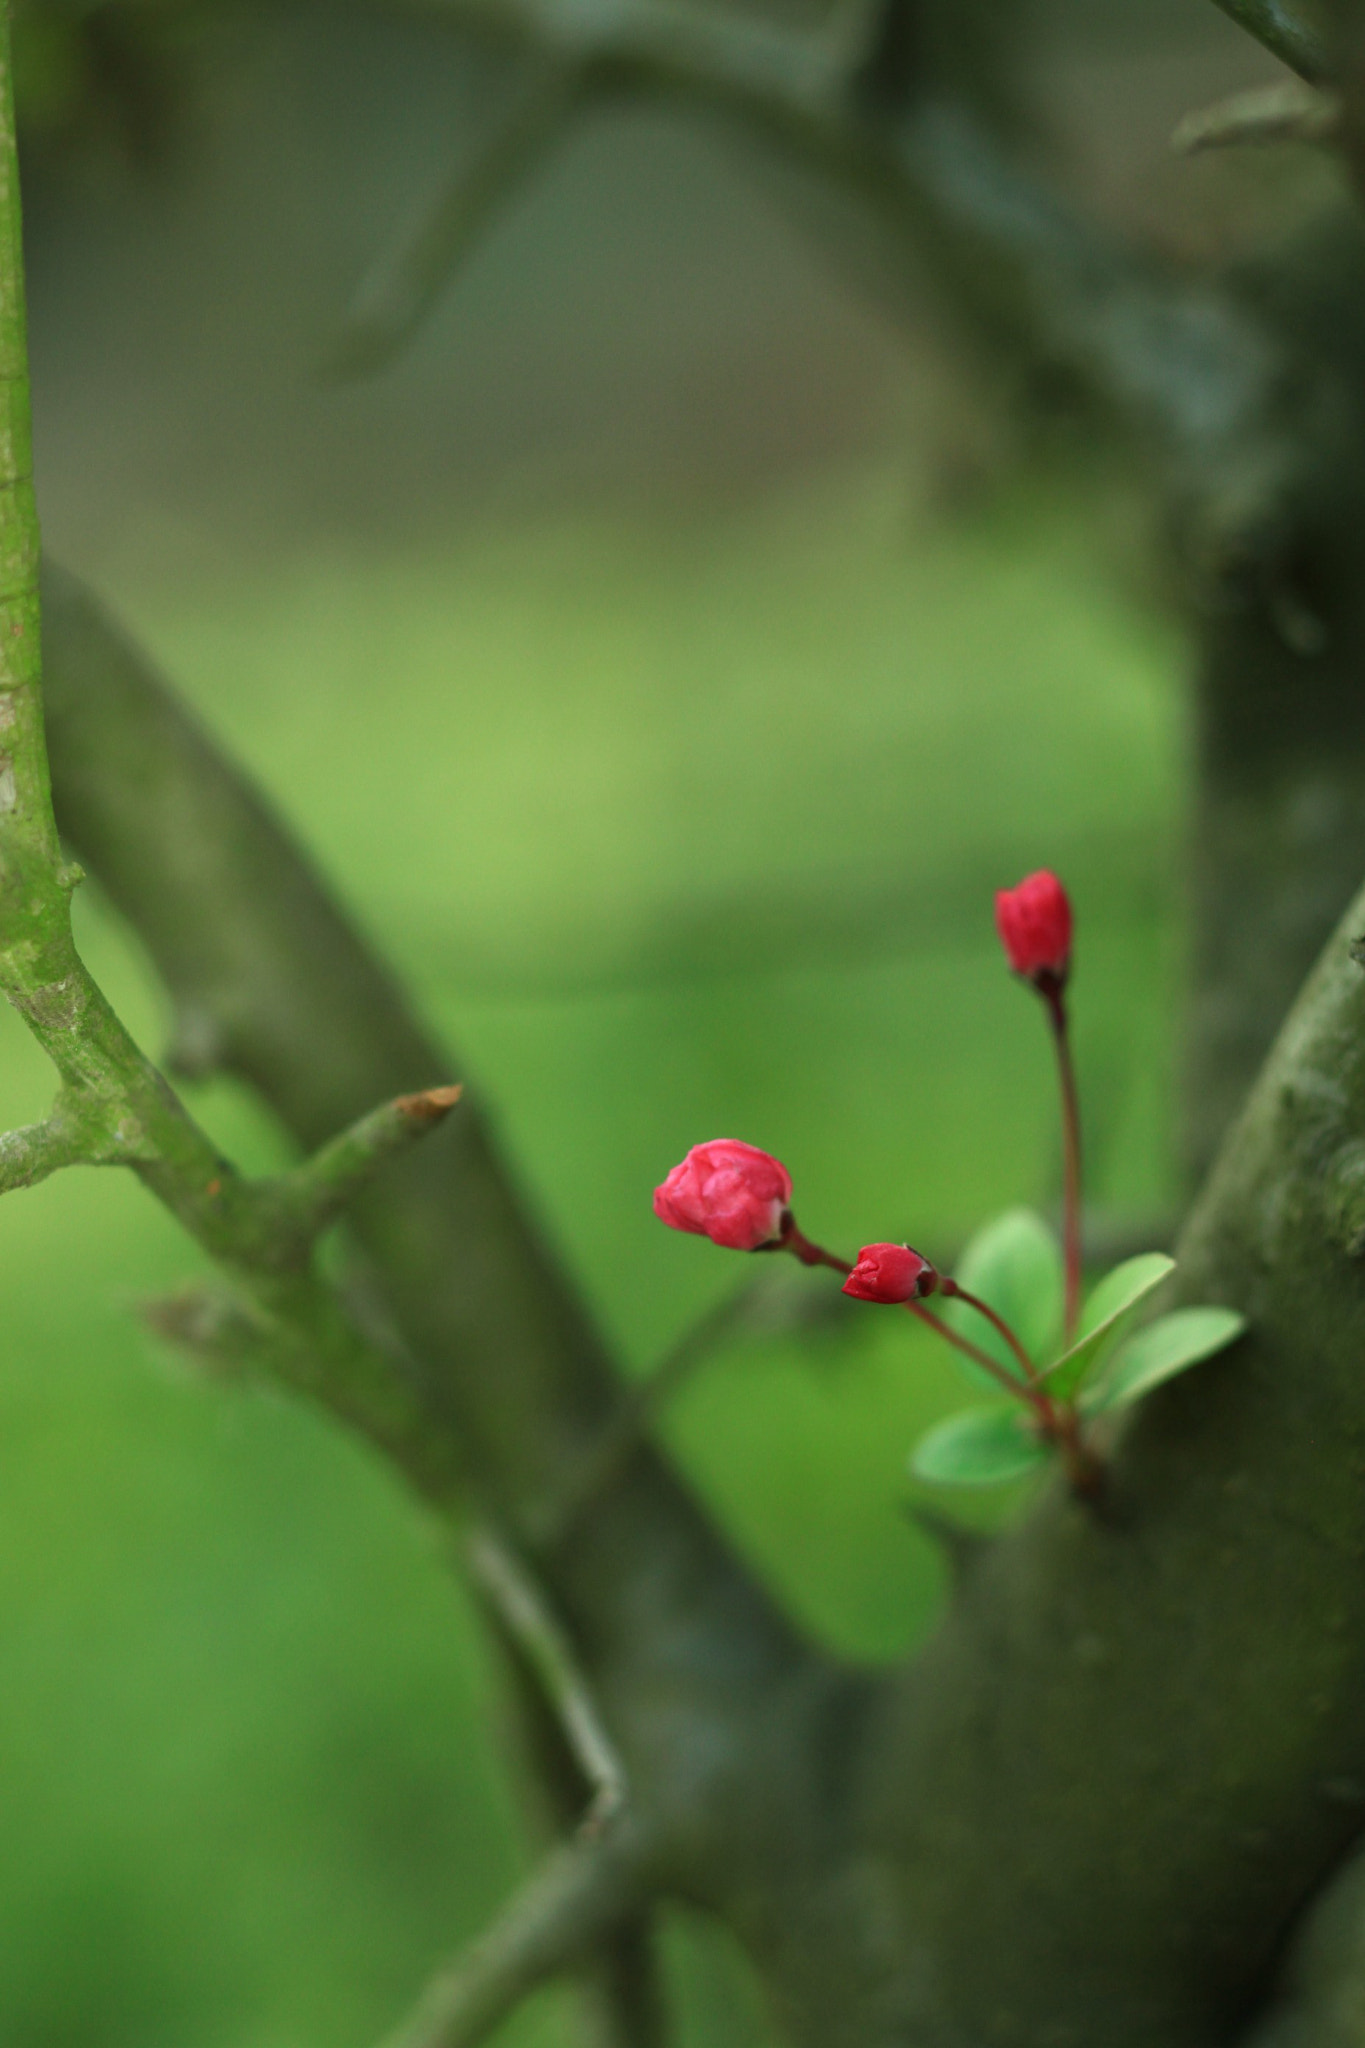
890 1273
1034 923
730 1192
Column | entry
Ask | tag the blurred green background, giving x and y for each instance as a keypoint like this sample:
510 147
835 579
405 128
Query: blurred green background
666 662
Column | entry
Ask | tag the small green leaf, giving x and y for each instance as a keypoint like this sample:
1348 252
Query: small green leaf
1015 1264
1115 1298
980 1447
1166 1347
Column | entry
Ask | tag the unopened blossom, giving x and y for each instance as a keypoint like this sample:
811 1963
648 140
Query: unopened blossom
1034 922
733 1193
890 1273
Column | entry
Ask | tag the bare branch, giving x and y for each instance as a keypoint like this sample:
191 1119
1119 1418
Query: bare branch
1290 39
1288 111
570 1905
525 1612
393 299
32 1152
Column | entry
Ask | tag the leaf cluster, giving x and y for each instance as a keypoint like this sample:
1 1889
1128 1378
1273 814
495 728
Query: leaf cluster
1015 1264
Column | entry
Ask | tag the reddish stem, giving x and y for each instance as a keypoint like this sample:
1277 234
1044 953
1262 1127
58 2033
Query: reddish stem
799 1245
977 1356
951 1288
1084 1470
1071 1157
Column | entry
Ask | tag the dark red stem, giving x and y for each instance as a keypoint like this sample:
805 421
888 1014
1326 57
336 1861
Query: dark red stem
977 1356
951 1288
799 1245
1071 1157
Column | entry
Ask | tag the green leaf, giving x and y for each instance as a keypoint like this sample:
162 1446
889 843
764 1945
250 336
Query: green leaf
1014 1263
1166 1347
1112 1301
980 1447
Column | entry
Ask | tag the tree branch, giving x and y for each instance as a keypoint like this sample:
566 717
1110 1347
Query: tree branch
1288 111
703 1684
394 298
310 1197
524 1612
1284 35
569 1906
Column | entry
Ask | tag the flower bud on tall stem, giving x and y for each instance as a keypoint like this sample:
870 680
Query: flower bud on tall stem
1035 925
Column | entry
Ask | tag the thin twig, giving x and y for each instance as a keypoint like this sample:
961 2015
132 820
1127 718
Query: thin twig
571 1903
1282 33
535 1629
403 285
1288 111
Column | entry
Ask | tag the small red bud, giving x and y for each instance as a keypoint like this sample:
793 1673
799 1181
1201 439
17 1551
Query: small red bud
1034 923
890 1273
730 1192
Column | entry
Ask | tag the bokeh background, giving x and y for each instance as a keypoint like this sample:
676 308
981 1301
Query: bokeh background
666 660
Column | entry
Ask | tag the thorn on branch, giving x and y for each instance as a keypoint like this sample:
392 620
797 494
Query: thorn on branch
572 1904
302 1203
1288 111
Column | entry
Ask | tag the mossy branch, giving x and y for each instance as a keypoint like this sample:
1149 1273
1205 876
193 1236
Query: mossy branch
112 1106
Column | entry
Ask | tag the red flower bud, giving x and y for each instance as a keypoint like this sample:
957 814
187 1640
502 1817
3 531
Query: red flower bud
728 1191
1034 923
890 1273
